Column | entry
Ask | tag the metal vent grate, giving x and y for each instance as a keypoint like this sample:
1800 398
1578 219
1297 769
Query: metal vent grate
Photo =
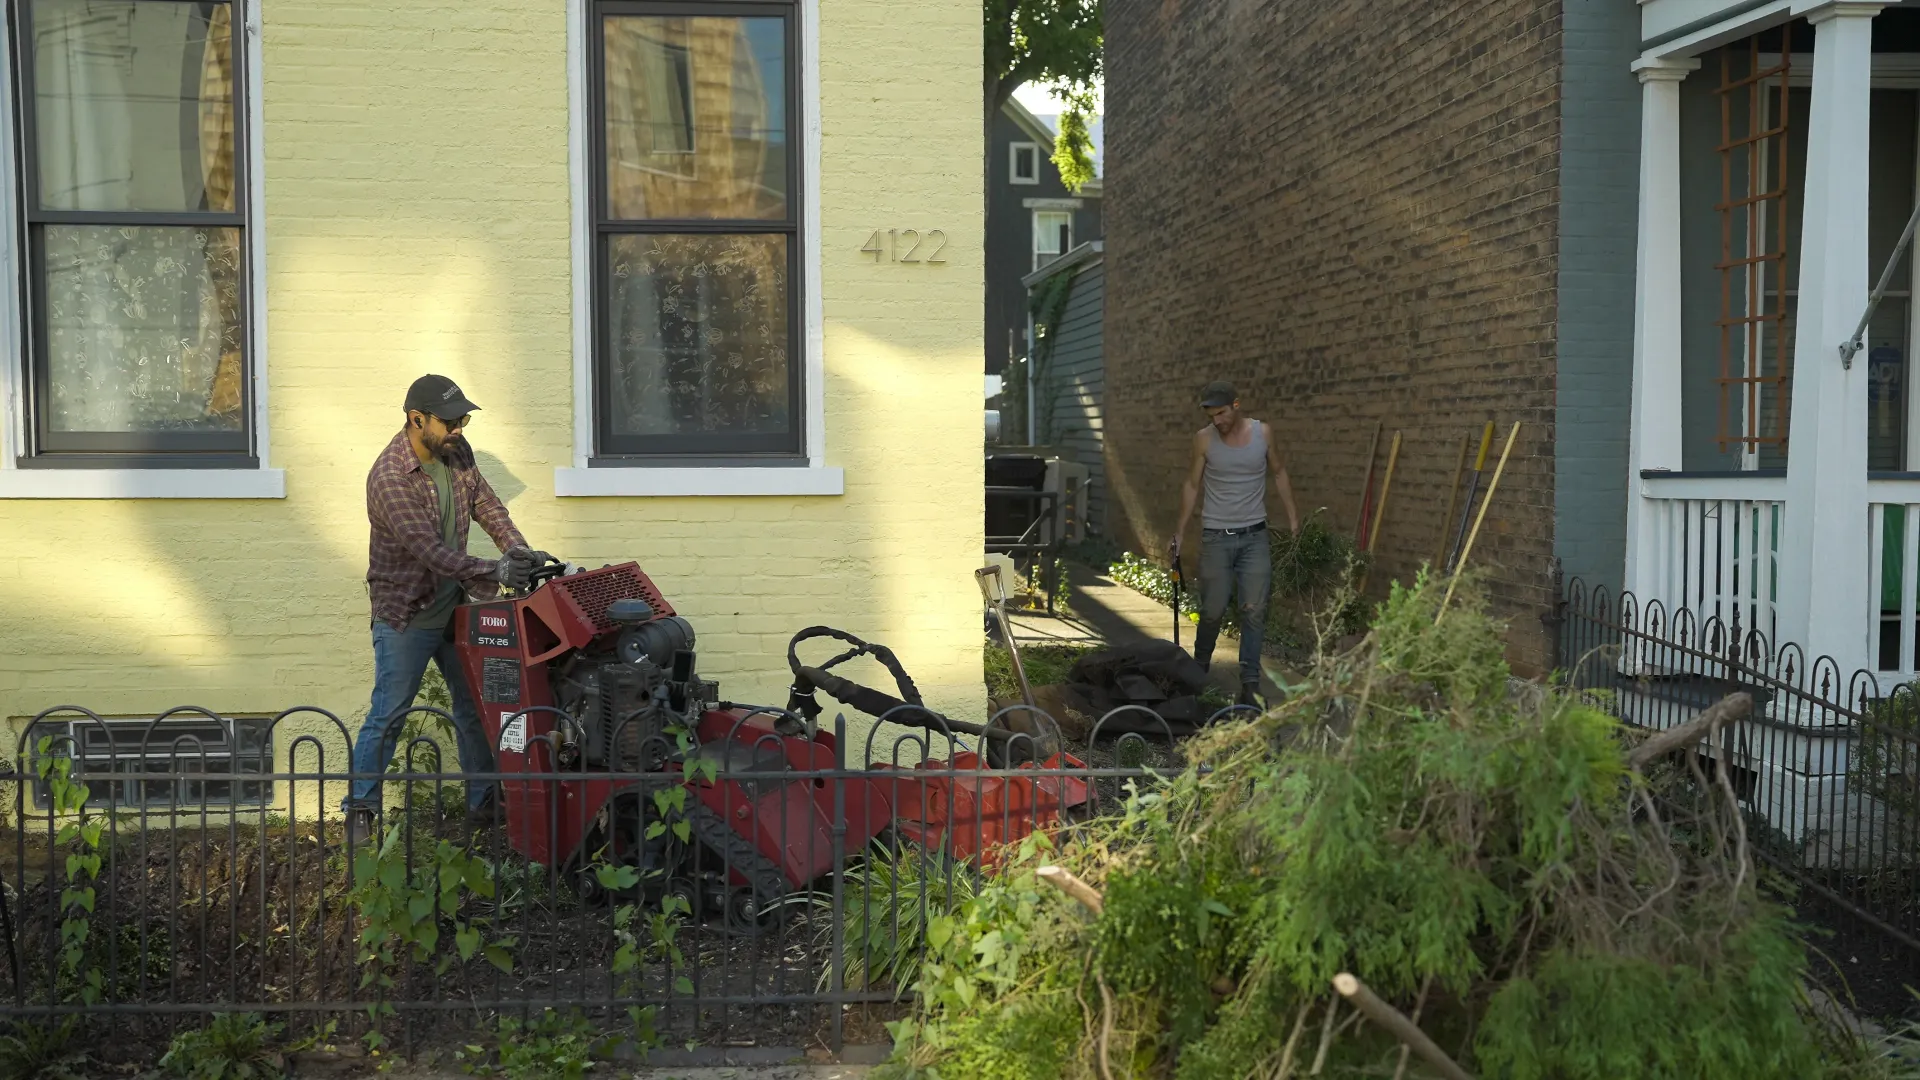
596 590
184 761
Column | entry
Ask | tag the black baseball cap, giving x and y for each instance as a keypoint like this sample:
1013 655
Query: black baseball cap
439 396
1218 394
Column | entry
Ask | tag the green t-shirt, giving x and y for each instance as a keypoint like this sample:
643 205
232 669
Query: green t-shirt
438 610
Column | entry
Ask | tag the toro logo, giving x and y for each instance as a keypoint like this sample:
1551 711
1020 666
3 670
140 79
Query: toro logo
492 628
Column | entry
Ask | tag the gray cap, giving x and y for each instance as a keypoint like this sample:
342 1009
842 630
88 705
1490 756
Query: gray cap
1218 394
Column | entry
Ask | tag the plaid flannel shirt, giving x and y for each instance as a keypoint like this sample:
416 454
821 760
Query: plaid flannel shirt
405 557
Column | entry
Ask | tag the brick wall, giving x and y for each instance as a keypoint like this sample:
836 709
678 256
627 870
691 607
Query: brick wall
1348 207
417 218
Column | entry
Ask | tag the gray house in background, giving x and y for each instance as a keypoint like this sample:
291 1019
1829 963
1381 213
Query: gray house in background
1031 220
1069 295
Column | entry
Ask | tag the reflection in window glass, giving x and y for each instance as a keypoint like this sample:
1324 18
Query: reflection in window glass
699 335
133 105
143 328
695 115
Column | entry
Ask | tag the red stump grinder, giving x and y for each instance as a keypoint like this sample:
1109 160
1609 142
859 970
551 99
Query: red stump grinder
616 752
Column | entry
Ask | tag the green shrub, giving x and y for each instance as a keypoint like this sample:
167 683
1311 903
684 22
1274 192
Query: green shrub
1314 571
550 1046
1483 858
42 1050
235 1046
890 898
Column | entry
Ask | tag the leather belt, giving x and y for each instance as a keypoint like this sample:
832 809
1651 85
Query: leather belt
1254 528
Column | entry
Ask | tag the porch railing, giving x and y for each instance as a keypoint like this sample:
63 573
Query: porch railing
1709 551
1713 551
1893 566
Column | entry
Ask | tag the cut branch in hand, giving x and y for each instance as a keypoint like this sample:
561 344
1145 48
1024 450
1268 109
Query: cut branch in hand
1061 878
1730 708
1398 1026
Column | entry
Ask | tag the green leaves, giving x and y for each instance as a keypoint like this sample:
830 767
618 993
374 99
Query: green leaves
406 906
1043 41
551 1046
235 1046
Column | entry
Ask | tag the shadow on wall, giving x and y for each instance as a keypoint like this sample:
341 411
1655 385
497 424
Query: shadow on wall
509 487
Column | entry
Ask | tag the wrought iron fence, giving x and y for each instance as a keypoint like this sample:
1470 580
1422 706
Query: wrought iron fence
159 871
1827 765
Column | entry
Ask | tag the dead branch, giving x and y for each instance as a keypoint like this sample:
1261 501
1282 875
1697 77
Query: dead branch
1398 1026
1419 1003
1061 878
1106 1025
1733 707
1293 1043
1326 1036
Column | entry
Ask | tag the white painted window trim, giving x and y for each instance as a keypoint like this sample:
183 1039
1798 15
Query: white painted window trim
1013 163
1033 227
1053 204
813 478
262 482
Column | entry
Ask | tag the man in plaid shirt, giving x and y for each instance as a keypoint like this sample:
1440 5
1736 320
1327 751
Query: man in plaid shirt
422 495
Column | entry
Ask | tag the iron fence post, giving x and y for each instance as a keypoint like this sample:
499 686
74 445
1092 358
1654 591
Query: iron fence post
838 923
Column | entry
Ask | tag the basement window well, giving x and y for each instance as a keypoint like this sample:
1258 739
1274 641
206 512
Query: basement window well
182 762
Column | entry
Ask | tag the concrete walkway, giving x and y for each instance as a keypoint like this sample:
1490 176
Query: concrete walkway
1101 611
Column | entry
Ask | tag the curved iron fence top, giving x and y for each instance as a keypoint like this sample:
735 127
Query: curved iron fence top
1744 655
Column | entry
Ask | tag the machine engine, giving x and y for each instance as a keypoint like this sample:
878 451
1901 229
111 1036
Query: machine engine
628 692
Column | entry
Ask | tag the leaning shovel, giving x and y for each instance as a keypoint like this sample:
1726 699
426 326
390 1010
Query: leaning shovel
993 589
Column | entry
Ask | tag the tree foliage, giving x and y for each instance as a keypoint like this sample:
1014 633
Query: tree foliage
1056 43
1485 857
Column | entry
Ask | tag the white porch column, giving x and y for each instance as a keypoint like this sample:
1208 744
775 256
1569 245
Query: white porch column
1824 601
1655 423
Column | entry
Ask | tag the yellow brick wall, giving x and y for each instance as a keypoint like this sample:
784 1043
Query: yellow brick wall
417 219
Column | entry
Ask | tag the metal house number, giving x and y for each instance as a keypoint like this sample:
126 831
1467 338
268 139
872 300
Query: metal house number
906 246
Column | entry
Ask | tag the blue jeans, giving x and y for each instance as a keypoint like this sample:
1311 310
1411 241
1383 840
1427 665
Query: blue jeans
400 660
1242 562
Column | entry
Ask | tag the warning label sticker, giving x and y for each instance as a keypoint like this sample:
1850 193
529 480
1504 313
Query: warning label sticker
500 680
514 736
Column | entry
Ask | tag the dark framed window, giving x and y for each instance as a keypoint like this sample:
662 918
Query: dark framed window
696 193
133 196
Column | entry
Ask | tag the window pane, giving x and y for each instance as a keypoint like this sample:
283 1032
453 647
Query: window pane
696 116
699 335
143 328
133 105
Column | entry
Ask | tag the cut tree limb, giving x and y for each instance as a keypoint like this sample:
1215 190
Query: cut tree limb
1398 1026
1061 878
1730 708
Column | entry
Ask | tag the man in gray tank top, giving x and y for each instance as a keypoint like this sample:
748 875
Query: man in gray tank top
1232 458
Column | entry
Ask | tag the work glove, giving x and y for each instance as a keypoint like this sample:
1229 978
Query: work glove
530 556
512 572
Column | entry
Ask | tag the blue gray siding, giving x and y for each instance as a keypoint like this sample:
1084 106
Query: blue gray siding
1599 205
1076 382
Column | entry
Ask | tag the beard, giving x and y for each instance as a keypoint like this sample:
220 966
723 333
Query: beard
441 446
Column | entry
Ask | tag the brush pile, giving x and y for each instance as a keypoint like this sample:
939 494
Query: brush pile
1541 893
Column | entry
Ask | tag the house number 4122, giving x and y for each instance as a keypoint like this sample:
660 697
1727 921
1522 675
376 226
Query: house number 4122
906 246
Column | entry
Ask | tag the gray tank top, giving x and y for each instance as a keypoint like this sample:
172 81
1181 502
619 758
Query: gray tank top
1236 480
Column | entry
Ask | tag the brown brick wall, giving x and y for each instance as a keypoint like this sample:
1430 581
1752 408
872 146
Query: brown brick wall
1349 208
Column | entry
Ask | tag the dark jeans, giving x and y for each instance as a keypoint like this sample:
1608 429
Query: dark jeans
1240 563
400 659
